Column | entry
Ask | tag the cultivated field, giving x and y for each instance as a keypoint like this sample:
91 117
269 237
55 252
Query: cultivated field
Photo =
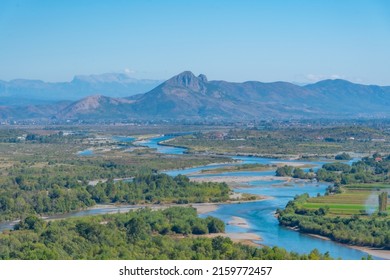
355 199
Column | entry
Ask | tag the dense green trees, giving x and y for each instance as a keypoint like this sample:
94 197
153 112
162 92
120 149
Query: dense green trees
284 171
343 156
16 202
294 172
368 170
144 234
158 188
336 166
34 195
299 173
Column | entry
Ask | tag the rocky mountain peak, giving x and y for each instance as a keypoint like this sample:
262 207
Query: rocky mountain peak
188 80
202 78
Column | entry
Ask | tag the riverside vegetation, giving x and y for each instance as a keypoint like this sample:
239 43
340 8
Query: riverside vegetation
353 211
42 174
173 233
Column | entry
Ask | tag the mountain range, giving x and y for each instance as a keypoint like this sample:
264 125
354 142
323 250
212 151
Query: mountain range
189 97
28 92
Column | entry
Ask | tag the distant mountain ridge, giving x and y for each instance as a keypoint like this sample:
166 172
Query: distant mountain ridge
189 97
23 92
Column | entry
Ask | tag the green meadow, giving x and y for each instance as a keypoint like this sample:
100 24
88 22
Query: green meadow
354 199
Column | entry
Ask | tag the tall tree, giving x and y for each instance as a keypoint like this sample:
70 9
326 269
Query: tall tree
383 202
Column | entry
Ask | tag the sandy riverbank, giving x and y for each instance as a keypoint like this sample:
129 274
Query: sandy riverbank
294 164
146 137
201 208
204 208
238 179
384 254
245 238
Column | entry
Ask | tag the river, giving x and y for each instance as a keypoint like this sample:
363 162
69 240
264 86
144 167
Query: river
260 215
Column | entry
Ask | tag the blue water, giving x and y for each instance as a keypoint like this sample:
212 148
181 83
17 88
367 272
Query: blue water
260 160
86 153
6 225
96 211
195 169
125 139
238 174
261 214
153 144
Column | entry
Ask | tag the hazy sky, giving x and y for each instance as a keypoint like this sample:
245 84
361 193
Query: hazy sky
300 41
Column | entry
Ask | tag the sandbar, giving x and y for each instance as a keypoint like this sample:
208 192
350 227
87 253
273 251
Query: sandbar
246 238
240 222
238 179
380 253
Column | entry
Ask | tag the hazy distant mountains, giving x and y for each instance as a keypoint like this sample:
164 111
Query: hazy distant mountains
186 95
27 92
190 97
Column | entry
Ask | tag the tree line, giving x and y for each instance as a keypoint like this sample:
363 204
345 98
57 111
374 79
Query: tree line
173 233
355 230
55 194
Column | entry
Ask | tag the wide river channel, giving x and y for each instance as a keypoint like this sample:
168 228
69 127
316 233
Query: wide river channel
260 215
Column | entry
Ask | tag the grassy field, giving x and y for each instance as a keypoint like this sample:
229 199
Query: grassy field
355 199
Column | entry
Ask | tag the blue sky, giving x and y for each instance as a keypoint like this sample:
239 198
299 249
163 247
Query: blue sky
299 41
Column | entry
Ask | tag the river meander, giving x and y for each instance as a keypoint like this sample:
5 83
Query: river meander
260 215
